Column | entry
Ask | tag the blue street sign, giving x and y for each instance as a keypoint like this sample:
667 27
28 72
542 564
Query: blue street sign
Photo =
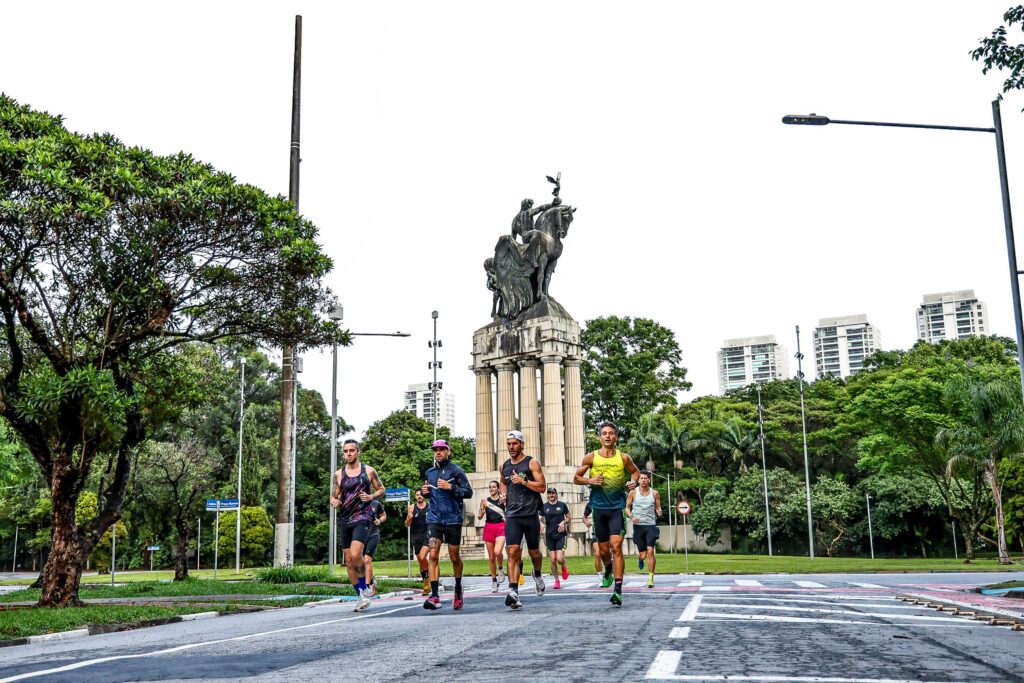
395 495
152 547
213 505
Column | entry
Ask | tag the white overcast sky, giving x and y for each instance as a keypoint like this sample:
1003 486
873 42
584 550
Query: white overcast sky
424 125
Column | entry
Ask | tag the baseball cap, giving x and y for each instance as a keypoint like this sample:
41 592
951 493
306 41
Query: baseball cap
441 443
517 435
552 490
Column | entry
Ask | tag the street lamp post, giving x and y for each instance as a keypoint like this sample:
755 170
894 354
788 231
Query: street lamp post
1004 187
871 533
238 517
337 314
803 423
764 469
435 365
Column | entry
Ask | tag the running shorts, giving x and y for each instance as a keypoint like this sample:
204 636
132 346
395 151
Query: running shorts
449 534
353 531
554 542
419 542
518 528
370 549
645 535
607 523
493 531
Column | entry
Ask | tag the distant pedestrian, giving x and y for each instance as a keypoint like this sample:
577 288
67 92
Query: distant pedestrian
355 486
416 521
447 486
372 541
555 520
492 510
522 483
591 538
643 505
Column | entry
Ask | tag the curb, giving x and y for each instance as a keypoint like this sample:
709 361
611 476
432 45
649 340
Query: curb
967 607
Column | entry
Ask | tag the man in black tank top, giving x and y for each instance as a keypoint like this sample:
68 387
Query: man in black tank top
416 521
522 483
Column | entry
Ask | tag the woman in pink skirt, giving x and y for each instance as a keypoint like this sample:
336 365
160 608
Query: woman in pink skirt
492 509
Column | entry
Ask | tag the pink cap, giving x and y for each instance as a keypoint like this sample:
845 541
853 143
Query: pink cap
441 443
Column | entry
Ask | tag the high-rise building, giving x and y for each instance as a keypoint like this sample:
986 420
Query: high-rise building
951 315
841 345
751 359
419 399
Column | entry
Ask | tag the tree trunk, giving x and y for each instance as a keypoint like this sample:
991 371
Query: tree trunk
63 571
993 478
181 566
968 546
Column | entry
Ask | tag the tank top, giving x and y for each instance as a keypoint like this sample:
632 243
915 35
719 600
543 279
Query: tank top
419 520
612 494
493 517
519 500
375 510
643 508
352 509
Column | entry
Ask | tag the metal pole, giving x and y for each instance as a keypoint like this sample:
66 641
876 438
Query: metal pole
216 540
14 557
1011 247
871 533
952 526
285 518
764 470
803 423
295 450
332 541
671 509
199 541
686 546
408 549
433 385
113 553
238 519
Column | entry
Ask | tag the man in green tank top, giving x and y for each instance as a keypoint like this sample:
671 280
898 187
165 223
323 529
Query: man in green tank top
609 473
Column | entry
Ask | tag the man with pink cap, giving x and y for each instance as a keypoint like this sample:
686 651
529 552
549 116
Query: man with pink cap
447 486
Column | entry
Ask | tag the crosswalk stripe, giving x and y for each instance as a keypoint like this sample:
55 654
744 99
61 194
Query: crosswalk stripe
690 584
809 584
865 585
748 582
705 589
679 632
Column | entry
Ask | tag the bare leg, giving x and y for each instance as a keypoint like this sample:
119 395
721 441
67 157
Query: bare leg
356 568
606 553
456 558
538 560
433 559
499 548
514 558
491 561
618 560
368 564
553 559
650 555
597 556
422 558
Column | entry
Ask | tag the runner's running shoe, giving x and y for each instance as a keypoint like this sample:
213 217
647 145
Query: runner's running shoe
650 580
522 578
501 575
363 601
616 600
538 582
640 563
558 584
565 572
512 600
426 587
494 586
432 603
607 579
458 603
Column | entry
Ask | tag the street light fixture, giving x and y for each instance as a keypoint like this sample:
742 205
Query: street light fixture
337 314
1004 187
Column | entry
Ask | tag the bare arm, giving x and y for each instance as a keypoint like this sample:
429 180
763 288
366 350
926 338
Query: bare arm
539 484
629 504
378 488
632 469
580 478
657 504
335 490
408 516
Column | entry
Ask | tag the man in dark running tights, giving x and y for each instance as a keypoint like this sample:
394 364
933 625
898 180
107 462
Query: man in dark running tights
416 521
522 483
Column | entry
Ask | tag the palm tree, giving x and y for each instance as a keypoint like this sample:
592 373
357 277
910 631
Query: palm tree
992 429
665 436
739 440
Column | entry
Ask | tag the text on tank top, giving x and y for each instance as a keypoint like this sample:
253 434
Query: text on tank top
519 500
493 517
611 494
643 508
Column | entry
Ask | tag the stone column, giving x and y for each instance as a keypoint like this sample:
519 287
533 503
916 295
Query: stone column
484 422
554 423
506 399
528 423
575 439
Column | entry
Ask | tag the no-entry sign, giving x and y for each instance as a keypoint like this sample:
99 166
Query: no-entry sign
684 507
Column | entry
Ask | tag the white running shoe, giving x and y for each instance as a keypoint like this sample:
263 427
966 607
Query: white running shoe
494 586
512 600
539 583
501 575
363 601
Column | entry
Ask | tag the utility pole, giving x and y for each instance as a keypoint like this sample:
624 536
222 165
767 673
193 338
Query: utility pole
284 529
764 469
803 422
238 517
435 366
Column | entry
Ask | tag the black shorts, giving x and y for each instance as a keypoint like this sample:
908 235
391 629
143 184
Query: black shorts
419 542
353 531
518 528
451 534
645 535
554 542
607 523
370 549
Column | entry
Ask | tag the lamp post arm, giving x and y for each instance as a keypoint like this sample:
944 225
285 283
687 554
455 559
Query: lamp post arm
889 124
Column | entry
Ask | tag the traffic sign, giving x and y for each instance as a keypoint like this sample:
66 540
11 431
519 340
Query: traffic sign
396 495
684 507
152 547
224 504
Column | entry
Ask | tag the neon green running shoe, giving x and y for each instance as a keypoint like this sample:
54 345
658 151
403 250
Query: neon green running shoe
616 599
606 580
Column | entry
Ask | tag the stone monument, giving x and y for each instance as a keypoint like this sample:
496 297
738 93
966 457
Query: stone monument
529 334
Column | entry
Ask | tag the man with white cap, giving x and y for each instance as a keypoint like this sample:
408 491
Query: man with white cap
447 486
522 483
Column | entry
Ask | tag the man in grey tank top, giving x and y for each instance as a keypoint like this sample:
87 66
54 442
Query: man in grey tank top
644 507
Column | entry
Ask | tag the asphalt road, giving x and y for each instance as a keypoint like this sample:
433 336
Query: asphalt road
824 628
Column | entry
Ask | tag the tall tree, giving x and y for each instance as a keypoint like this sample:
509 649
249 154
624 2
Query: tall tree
996 52
110 258
631 367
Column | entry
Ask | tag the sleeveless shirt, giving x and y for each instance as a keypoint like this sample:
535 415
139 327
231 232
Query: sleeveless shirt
643 508
611 495
519 500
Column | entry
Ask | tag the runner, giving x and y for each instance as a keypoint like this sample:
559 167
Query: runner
608 481
643 505
492 509
372 541
447 486
522 481
595 548
555 520
352 498
416 521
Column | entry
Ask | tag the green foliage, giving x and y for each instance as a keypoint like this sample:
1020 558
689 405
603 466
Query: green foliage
995 52
257 536
399 448
631 367
294 574
833 506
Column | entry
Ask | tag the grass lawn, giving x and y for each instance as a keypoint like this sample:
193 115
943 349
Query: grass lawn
1007 584
20 623
159 575
740 564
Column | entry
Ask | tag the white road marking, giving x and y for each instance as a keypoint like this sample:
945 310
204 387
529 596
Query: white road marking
690 584
635 584
819 610
191 646
708 589
805 601
748 582
809 584
865 585
665 664
816 620
679 632
588 584
691 609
